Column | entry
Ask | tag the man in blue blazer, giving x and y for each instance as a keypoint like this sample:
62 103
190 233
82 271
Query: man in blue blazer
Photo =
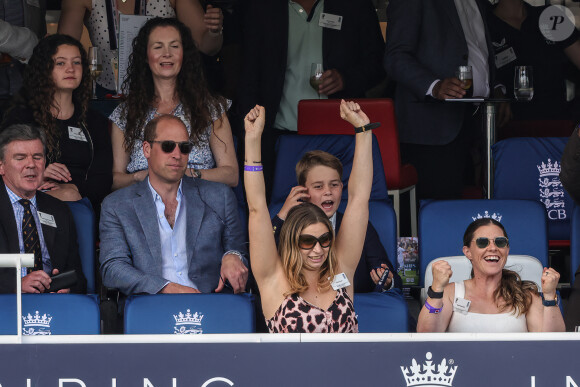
426 42
170 233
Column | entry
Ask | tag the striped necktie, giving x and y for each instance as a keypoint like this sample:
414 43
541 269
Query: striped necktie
30 235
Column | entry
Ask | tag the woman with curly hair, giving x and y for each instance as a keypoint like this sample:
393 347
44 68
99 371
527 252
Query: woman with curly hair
306 284
55 96
495 299
165 76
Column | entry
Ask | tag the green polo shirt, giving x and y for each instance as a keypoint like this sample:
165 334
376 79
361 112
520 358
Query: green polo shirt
304 48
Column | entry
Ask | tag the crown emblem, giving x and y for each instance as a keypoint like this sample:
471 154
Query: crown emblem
549 169
187 323
424 375
36 324
494 216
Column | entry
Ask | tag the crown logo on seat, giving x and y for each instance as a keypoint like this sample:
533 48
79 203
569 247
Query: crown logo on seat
549 169
36 324
188 323
494 216
424 375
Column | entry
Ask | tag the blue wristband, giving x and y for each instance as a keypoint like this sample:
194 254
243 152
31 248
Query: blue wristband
433 309
253 168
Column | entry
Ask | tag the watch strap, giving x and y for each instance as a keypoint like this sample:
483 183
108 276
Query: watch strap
553 302
369 126
433 294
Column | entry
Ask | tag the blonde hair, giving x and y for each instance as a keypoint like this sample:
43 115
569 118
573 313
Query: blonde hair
298 218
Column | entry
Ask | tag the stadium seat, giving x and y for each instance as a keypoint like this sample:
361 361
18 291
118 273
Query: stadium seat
51 314
85 222
292 148
189 314
529 168
443 223
574 244
320 116
381 312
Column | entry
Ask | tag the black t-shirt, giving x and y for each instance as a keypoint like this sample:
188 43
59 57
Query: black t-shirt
547 58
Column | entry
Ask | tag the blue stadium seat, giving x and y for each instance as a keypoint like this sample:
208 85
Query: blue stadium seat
51 314
529 168
290 150
85 222
189 314
443 223
574 244
381 312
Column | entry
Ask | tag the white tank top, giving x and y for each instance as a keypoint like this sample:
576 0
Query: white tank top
99 33
484 323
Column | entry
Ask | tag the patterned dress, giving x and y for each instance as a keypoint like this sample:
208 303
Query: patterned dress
201 156
296 315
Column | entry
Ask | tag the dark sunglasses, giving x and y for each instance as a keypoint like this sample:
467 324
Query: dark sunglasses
167 146
483 242
307 242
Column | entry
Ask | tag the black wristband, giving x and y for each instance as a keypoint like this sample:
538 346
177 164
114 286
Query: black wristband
366 127
433 294
553 302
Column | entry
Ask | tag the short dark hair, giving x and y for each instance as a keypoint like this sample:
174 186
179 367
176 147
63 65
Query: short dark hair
20 132
150 131
314 158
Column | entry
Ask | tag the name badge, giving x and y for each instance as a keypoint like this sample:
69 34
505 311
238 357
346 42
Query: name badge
76 134
461 305
328 20
33 3
46 219
506 56
340 281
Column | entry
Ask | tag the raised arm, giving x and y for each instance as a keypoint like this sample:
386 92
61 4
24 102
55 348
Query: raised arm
221 142
72 17
438 322
541 318
351 236
205 26
263 253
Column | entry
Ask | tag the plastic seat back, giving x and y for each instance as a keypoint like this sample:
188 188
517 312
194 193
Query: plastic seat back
381 312
85 222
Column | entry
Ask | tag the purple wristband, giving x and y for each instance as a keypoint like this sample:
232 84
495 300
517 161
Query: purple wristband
253 168
432 309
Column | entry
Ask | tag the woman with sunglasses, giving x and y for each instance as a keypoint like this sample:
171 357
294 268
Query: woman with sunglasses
55 96
306 285
495 299
165 76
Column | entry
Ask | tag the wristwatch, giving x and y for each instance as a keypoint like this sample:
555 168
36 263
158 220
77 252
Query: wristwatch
196 173
366 127
553 302
433 309
433 294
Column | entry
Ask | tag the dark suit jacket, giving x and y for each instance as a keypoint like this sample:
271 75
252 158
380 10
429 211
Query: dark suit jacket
373 255
355 51
425 42
61 241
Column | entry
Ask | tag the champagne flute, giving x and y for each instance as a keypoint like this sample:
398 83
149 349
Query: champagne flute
115 66
524 83
316 76
465 75
95 67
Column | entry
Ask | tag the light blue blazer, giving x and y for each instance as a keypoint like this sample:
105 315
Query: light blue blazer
130 243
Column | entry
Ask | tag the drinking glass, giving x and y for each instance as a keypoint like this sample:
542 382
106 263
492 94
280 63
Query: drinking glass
115 66
524 83
465 75
316 76
95 67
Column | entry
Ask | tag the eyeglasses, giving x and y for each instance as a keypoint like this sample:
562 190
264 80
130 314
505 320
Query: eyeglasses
167 146
307 242
483 242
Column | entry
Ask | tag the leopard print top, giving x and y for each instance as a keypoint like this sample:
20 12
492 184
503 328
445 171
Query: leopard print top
296 315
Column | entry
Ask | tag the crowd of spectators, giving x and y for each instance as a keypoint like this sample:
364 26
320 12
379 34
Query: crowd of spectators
168 151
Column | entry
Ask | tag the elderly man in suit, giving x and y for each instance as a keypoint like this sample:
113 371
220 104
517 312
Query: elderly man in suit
170 233
32 221
426 42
